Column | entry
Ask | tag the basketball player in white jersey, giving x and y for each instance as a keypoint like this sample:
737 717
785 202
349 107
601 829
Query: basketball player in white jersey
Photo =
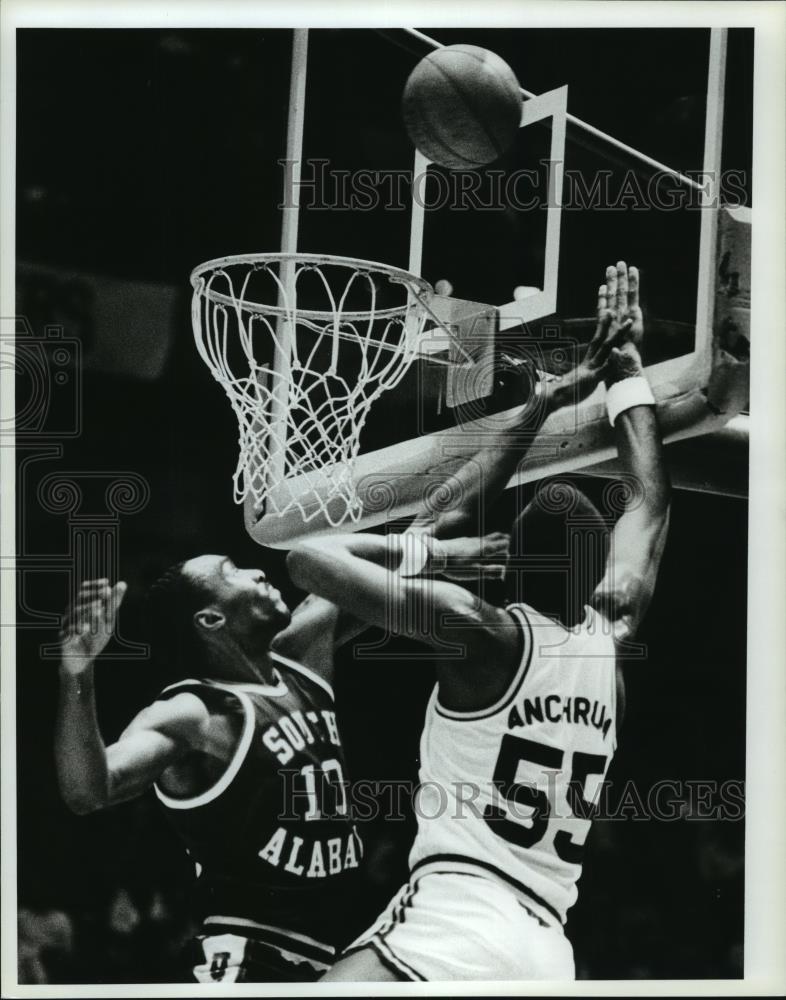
522 723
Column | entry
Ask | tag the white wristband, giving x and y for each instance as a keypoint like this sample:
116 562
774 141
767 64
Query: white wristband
626 393
419 552
414 554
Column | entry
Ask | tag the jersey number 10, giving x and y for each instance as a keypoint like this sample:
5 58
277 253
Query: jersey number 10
331 775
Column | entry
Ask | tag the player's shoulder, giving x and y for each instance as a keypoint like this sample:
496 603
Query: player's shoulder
179 712
593 629
188 694
529 618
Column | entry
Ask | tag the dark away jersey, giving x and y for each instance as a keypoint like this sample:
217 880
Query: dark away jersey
276 851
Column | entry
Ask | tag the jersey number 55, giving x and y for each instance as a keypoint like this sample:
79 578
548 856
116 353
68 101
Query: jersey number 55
516 750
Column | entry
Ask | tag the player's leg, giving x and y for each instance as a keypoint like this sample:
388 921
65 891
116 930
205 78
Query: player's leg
457 927
363 966
370 958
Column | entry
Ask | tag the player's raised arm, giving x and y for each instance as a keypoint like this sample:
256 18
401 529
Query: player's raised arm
91 775
486 474
639 536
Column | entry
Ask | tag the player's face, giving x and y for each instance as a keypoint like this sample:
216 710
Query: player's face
244 596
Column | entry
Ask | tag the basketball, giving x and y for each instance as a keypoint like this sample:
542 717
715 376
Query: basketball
462 106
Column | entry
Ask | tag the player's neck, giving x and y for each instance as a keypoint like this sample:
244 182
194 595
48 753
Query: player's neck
232 662
264 667
257 668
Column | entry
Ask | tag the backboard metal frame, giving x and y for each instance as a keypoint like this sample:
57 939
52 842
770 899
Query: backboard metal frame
554 105
391 481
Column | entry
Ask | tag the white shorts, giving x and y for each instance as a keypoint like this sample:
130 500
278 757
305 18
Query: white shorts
456 926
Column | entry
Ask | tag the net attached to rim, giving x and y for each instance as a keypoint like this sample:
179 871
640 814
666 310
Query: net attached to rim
303 345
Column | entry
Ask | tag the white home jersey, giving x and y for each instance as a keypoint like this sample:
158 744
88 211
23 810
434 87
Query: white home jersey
508 791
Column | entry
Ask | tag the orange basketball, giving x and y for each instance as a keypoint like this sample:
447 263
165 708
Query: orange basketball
462 106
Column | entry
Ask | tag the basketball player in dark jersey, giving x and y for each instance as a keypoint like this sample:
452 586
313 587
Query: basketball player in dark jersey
244 754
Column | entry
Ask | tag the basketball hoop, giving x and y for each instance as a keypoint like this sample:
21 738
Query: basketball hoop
303 344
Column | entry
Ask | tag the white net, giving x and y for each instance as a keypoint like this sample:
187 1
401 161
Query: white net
303 345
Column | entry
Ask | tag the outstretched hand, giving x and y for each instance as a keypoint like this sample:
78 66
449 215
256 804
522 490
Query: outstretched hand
620 298
619 329
622 301
89 622
473 558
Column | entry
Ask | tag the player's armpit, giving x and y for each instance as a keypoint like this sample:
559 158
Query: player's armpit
157 737
135 762
617 607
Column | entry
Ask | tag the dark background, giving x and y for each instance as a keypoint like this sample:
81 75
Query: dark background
142 153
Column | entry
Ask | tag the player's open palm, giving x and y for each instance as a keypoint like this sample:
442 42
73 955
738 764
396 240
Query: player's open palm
622 300
89 622
619 322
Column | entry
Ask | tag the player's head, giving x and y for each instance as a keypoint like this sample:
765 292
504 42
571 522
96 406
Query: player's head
208 616
558 549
